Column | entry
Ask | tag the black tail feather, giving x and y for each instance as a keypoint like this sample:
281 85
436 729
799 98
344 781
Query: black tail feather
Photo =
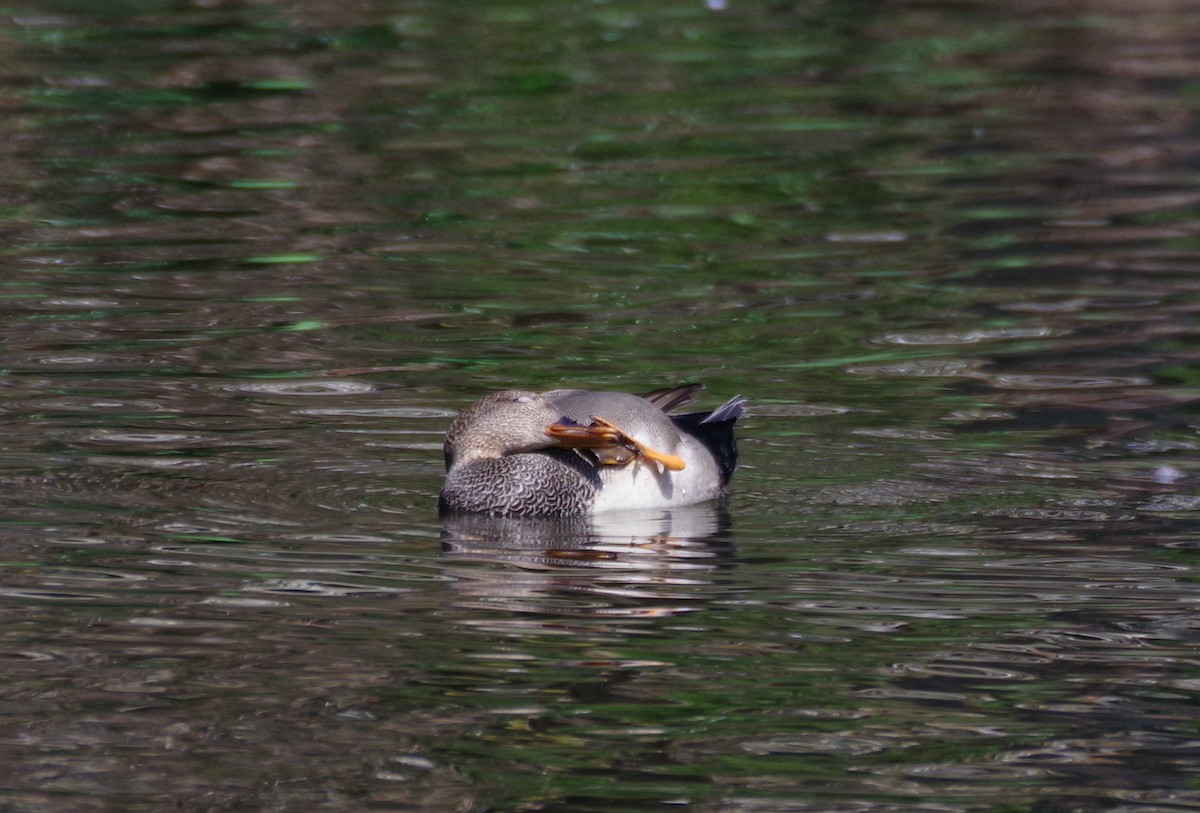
715 430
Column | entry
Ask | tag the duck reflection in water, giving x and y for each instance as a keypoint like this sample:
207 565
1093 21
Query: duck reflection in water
703 527
612 566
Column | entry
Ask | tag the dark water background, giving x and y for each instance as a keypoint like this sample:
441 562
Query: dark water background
255 255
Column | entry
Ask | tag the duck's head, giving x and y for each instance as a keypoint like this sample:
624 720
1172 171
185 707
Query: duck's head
516 422
512 422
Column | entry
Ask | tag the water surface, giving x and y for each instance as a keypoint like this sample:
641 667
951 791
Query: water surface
257 256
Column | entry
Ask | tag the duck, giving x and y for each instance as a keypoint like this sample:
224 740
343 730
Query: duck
573 452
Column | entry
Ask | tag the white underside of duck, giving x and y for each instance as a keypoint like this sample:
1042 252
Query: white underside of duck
646 484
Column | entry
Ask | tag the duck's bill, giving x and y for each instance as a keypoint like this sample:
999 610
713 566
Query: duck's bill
574 435
603 435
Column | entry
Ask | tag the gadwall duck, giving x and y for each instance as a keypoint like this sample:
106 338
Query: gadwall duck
576 452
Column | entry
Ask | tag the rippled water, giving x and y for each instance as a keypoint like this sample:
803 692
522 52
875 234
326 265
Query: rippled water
257 255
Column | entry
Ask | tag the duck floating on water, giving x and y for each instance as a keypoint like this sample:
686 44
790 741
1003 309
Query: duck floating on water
577 452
